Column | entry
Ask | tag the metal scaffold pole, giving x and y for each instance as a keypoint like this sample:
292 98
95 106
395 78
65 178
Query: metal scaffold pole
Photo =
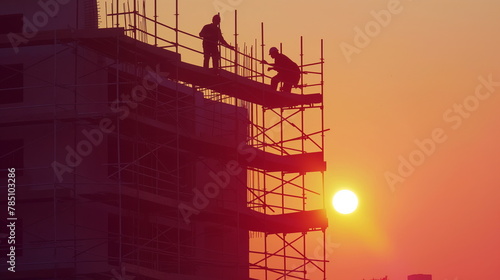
177 26
236 42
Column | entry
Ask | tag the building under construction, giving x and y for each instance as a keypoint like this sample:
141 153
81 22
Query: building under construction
131 163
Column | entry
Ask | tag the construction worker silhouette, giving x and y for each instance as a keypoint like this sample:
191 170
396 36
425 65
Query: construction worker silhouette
288 71
212 35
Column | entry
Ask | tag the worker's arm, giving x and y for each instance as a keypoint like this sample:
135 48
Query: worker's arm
271 64
203 31
223 42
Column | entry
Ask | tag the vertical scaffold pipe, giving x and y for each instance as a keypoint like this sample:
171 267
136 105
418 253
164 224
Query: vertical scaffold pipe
236 42
302 66
177 26
262 50
135 19
156 23
323 147
117 13
322 91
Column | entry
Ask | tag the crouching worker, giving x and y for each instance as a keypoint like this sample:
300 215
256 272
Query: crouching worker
288 71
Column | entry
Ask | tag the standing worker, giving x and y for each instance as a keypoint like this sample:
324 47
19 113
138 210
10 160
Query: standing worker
212 35
288 71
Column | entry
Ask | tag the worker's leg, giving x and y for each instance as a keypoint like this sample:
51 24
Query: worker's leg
206 59
295 79
206 54
289 80
215 60
287 87
274 82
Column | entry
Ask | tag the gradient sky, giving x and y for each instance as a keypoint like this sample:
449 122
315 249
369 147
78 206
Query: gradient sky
408 81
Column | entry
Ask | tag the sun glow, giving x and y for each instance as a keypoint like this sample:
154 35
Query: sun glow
345 201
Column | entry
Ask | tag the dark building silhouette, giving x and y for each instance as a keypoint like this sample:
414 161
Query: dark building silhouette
420 277
131 162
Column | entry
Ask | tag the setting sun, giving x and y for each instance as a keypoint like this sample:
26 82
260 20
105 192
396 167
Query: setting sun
345 201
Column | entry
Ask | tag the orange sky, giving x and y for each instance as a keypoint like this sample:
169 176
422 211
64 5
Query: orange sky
398 87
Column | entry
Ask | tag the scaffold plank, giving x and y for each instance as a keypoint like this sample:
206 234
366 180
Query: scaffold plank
301 221
242 88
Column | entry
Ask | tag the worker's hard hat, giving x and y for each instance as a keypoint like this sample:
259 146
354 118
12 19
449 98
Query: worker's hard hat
273 50
216 18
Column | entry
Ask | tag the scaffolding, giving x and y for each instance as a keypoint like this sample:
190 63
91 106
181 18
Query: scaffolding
271 190
282 135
